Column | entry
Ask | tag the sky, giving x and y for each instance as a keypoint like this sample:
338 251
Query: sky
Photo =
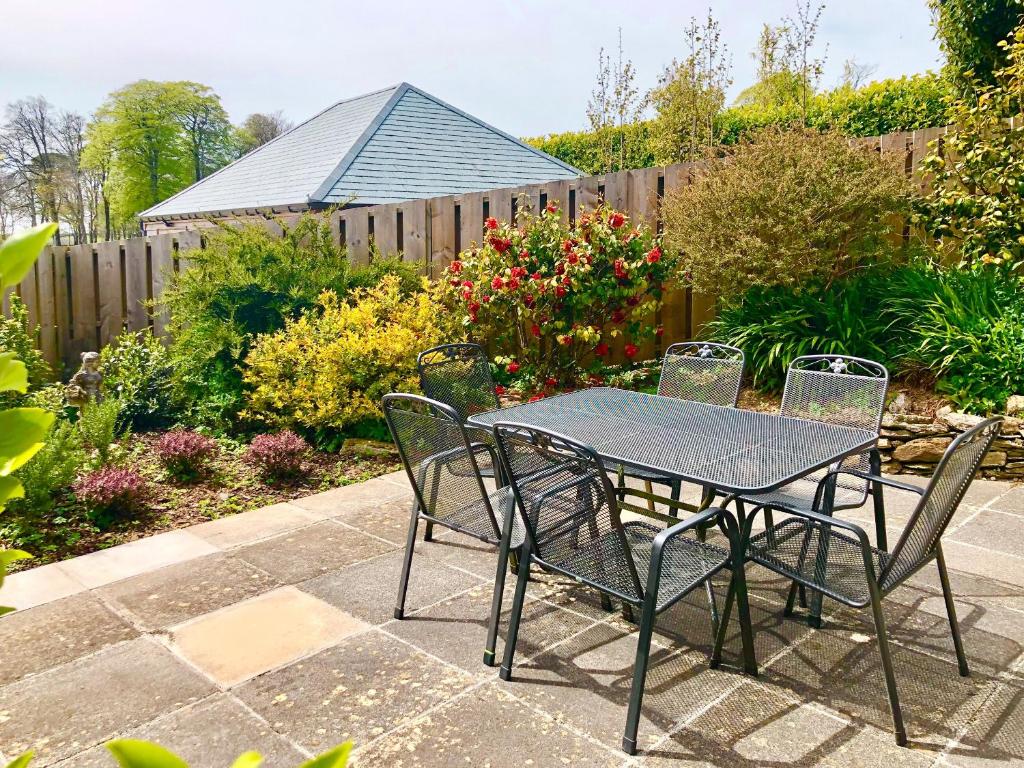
526 67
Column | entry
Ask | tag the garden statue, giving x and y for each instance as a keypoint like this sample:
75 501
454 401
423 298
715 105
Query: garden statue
84 386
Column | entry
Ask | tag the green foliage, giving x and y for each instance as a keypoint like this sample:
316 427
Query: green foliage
98 426
327 371
16 336
152 139
595 152
136 371
22 430
969 32
245 282
53 468
789 209
976 203
134 753
549 297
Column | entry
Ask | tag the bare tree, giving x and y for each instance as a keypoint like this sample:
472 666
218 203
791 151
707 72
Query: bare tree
614 102
801 33
26 142
856 74
259 128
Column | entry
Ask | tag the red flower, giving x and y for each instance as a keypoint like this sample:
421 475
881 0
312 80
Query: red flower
467 294
496 283
528 300
512 283
472 317
500 244
568 245
486 298
654 255
524 254
551 381
565 341
551 208
535 398
616 220
499 390
620 269
518 271
659 331
573 258
455 282
491 223
630 350
618 316
535 330
536 276
455 267
474 307
601 349
559 291
512 367
467 283
633 301
567 280
559 268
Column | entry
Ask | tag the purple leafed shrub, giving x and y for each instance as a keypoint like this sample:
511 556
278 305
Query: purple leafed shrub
278 456
184 454
112 493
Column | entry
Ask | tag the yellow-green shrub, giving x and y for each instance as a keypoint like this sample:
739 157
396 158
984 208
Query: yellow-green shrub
328 370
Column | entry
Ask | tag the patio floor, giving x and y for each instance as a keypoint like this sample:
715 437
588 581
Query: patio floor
273 630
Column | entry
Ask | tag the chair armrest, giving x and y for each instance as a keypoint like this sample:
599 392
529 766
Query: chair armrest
817 517
875 479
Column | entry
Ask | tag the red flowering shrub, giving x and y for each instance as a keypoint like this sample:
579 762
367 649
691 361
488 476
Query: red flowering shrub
185 454
548 297
111 494
278 456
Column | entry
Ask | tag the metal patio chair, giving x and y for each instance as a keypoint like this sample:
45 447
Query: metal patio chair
570 513
694 370
440 457
849 391
459 375
835 557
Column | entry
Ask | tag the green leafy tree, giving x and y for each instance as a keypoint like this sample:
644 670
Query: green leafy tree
259 128
970 32
690 94
209 137
976 206
22 430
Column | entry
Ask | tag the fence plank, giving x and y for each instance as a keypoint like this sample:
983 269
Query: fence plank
187 241
108 273
63 293
161 253
384 232
47 309
84 328
472 216
414 234
357 235
442 234
28 292
136 282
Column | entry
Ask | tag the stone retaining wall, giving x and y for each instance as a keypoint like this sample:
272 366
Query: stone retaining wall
914 444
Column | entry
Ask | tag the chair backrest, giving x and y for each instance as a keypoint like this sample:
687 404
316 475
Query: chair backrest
568 507
458 375
703 372
435 451
939 502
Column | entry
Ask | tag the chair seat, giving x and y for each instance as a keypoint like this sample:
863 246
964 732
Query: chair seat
471 517
800 494
686 562
843 578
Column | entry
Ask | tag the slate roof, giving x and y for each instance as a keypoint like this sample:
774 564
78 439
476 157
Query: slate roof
388 146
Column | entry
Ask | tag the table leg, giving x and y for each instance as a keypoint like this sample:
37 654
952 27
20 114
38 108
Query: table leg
878 499
821 561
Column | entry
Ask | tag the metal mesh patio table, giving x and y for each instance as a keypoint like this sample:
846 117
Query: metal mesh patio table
731 450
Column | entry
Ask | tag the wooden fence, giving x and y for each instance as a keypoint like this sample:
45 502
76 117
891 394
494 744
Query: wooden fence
82 296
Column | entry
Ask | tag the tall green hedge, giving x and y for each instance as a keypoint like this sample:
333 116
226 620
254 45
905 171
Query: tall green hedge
899 104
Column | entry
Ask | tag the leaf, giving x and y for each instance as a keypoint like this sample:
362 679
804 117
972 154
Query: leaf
133 753
248 760
19 252
334 758
22 433
13 373
8 556
21 761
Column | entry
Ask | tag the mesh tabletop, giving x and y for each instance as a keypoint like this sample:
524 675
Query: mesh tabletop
730 449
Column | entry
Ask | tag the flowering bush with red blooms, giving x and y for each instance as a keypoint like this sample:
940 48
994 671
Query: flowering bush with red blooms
185 454
111 494
549 297
278 456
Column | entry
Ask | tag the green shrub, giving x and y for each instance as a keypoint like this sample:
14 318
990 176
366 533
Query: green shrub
609 149
16 336
53 469
789 208
98 425
137 372
247 281
327 371
976 203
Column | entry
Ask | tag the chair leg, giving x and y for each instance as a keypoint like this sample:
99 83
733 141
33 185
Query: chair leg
890 678
410 544
723 625
636 693
878 501
504 555
505 673
428 533
790 599
738 593
954 626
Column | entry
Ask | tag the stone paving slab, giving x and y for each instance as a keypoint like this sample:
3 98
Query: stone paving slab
273 630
